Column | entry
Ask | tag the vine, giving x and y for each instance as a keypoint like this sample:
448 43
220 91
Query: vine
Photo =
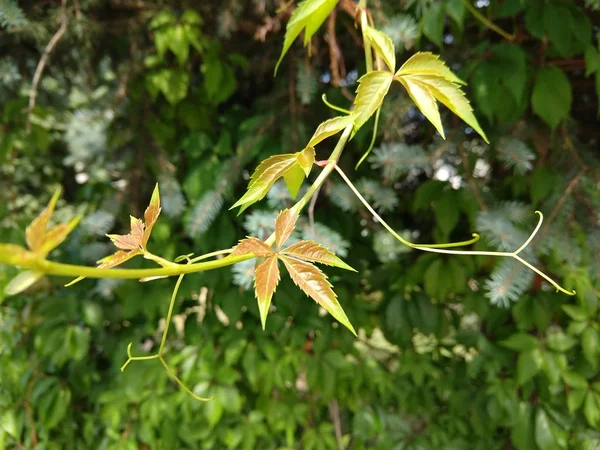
426 79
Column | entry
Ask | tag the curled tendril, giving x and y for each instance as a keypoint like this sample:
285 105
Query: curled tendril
435 248
159 354
332 106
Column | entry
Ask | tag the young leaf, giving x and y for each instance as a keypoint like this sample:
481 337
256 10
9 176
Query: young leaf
266 278
425 101
329 128
370 94
254 246
35 233
267 173
308 16
306 159
426 63
21 282
115 259
313 252
294 177
284 226
453 97
151 214
383 46
132 240
314 283
57 235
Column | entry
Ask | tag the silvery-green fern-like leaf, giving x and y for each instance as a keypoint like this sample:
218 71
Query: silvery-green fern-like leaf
243 274
204 213
327 238
341 196
516 155
11 14
507 282
173 202
396 159
403 30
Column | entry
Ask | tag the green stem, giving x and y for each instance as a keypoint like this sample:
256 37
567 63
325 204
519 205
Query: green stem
367 44
170 314
488 23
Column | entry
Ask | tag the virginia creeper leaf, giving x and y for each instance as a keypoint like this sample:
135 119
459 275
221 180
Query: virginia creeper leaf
426 63
314 252
329 128
21 282
284 226
151 214
308 16
267 173
453 97
314 283
306 159
370 94
117 258
132 240
57 235
552 95
35 233
294 177
383 46
266 278
254 246
425 101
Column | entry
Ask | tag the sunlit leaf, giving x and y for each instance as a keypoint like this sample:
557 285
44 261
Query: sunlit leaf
117 258
329 128
294 177
308 16
266 278
151 214
370 94
383 46
314 283
57 235
314 252
15 255
284 226
425 101
21 282
35 233
426 63
267 173
131 241
306 159
252 245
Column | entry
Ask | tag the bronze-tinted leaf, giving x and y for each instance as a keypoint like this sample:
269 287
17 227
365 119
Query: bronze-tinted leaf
151 214
314 284
117 258
57 235
36 231
15 255
313 252
266 278
252 245
284 226
131 241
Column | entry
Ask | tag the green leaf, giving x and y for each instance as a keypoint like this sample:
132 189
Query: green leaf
446 213
371 91
581 25
529 364
425 101
575 380
520 342
294 177
265 175
557 20
21 282
560 341
575 312
383 46
575 399
591 408
543 182
329 128
433 23
590 345
521 433
592 60
308 16
426 63
306 159
552 95
456 10
213 411
544 437
552 366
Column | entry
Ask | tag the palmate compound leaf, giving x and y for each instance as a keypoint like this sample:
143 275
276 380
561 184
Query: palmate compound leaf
297 259
314 283
309 15
292 166
427 79
383 46
371 91
134 243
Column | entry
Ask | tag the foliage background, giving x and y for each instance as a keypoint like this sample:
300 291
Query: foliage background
453 352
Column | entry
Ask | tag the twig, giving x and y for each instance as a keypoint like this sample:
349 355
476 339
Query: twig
335 54
334 413
572 184
311 210
478 197
43 61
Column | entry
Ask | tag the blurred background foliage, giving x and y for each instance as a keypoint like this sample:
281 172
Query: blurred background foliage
453 352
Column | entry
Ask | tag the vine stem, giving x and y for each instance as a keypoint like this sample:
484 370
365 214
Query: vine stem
488 23
433 249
